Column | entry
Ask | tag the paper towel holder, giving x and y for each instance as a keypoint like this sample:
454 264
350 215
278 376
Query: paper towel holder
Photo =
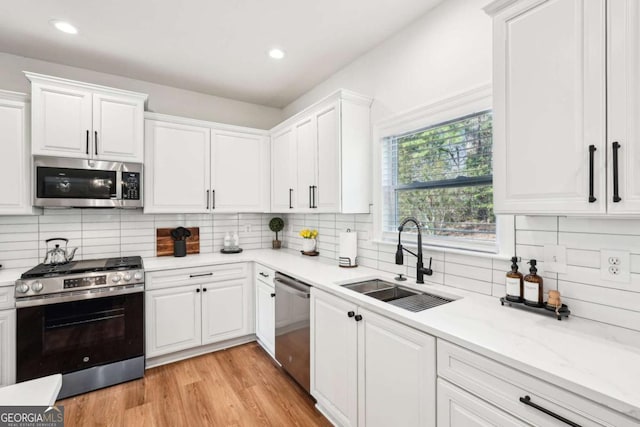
348 262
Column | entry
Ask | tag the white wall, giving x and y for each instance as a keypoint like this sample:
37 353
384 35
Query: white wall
162 99
447 51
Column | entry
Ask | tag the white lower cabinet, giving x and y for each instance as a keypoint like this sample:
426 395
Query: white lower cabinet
187 308
265 309
530 400
368 370
8 346
457 408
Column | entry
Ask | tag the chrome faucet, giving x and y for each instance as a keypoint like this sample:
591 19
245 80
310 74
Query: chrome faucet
420 270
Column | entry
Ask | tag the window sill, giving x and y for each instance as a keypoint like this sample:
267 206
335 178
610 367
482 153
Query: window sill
479 252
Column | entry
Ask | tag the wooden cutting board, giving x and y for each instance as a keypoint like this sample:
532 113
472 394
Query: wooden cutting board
164 241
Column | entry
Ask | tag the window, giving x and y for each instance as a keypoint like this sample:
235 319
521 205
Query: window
441 173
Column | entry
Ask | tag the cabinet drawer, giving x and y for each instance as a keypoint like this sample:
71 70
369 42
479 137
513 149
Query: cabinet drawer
265 274
7 298
504 386
196 275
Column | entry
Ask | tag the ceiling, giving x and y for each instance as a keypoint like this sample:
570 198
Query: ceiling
218 47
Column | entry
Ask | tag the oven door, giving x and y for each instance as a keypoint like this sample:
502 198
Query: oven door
70 336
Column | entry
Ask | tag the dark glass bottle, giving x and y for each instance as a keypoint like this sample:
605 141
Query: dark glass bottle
514 282
533 286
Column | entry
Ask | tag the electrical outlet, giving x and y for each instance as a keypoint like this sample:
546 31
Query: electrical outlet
247 228
615 265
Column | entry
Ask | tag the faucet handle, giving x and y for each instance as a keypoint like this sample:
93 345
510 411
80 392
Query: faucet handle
428 271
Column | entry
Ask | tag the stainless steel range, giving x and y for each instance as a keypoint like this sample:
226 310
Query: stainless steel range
83 319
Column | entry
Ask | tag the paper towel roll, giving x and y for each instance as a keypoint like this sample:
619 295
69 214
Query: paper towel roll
348 249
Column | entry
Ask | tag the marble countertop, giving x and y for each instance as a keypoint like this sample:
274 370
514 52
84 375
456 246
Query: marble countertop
595 360
39 392
8 276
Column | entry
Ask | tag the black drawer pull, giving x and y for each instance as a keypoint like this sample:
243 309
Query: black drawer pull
87 142
273 295
198 290
616 192
263 274
290 192
351 314
592 149
200 275
204 289
527 401
95 142
358 317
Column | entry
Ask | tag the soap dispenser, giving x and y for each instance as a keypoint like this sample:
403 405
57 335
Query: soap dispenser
533 286
514 282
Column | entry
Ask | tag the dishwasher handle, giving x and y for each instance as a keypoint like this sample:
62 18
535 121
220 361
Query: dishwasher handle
292 286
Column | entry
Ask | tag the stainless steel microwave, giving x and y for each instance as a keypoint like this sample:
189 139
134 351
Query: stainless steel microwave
78 183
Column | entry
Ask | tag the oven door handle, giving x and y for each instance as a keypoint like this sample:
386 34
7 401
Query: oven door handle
79 296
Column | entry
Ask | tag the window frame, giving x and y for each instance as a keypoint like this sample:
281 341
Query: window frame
462 104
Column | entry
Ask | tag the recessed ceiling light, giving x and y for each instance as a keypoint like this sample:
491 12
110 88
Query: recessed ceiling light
276 53
63 26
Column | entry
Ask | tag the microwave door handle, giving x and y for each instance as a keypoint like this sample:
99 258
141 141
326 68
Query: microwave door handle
119 183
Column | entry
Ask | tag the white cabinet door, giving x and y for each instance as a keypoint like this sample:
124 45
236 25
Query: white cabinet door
118 132
306 162
176 168
265 316
327 192
283 168
239 172
396 369
173 319
15 198
224 310
334 361
549 107
457 408
623 99
62 121
7 347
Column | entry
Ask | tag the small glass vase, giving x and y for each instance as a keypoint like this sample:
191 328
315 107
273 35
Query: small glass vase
308 245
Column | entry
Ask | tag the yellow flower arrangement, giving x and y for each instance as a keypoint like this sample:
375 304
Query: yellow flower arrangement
308 234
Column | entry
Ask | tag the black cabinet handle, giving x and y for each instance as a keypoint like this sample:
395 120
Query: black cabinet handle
200 275
290 192
592 149
207 199
213 199
95 142
616 193
313 189
351 314
198 290
527 401
204 289
263 274
310 204
87 142
358 317
273 295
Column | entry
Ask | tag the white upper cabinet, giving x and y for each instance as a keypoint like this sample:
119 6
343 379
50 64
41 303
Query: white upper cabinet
549 107
15 195
623 70
321 157
192 166
283 170
81 120
239 171
177 166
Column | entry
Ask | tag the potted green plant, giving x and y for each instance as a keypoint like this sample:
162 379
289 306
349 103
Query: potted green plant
276 225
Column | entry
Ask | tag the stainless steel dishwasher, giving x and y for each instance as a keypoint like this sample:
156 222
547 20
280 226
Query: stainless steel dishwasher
292 328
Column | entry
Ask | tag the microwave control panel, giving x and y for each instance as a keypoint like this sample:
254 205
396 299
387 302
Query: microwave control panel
130 185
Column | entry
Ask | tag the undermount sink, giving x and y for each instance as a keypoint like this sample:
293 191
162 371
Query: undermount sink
399 296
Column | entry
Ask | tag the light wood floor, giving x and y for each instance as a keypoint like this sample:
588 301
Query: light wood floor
241 386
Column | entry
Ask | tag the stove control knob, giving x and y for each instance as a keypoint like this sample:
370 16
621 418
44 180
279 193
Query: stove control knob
23 288
116 278
127 277
137 275
36 286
